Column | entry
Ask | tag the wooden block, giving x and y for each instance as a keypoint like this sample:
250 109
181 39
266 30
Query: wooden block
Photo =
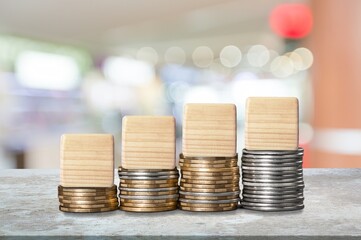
148 142
209 130
271 123
87 160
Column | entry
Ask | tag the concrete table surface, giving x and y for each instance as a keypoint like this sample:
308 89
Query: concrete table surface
29 206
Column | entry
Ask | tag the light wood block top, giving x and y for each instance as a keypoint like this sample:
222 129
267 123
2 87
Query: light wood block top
87 160
209 130
271 123
148 142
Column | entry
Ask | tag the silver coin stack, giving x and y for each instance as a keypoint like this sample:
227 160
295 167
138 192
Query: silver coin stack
272 180
148 190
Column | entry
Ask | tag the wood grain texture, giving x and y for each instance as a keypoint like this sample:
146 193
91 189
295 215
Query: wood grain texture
87 160
209 130
271 123
148 142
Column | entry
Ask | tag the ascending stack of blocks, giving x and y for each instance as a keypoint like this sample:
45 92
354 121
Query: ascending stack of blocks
272 161
87 173
272 175
148 176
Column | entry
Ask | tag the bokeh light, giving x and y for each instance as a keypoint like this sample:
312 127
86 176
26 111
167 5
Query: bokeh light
258 56
202 56
230 56
175 55
148 54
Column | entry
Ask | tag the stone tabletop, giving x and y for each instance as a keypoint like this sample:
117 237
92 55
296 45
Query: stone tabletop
29 206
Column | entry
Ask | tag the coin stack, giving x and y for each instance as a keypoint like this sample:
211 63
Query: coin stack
209 163
148 190
148 177
87 173
272 174
76 199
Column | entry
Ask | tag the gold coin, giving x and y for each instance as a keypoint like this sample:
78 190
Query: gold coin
153 209
215 209
163 181
212 178
208 162
87 189
183 196
181 156
152 205
212 182
218 165
87 210
150 186
219 186
210 190
148 201
107 201
75 194
146 170
208 205
227 169
149 193
96 198
210 174
104 205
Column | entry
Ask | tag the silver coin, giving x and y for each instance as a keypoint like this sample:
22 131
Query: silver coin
272 192
271 168
275 197
268 184
271 172
267 160
298 200
275 209
273 188
272 157
267 180
253 204
148 177
208 201
263 164
271 177
174 196
210 194
273 152
147 189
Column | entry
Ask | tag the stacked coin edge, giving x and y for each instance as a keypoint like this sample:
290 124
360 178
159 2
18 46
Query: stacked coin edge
148 190
87 199
272 180
209 184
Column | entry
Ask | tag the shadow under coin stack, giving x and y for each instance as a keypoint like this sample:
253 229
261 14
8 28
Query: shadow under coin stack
272 174
148 177
209 163
87 174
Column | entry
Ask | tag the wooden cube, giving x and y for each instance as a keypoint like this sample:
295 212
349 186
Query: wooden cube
271 123
209 130
87 160
148 142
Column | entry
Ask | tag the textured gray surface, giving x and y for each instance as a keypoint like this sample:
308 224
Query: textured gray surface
29 206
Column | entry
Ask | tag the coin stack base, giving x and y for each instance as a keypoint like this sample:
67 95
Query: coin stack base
87 199
209 184
148 190
272 180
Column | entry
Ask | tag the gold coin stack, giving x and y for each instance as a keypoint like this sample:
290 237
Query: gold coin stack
209 184
148 190
87 199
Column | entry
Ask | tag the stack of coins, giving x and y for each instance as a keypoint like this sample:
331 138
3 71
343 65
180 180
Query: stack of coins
209 184
272 180
272 161
87 173
87 199
148 176
209 172
148 190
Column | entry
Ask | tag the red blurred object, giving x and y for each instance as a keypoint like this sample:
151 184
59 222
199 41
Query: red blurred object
292 20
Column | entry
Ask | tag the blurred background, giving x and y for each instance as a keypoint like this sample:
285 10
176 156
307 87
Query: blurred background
80 66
